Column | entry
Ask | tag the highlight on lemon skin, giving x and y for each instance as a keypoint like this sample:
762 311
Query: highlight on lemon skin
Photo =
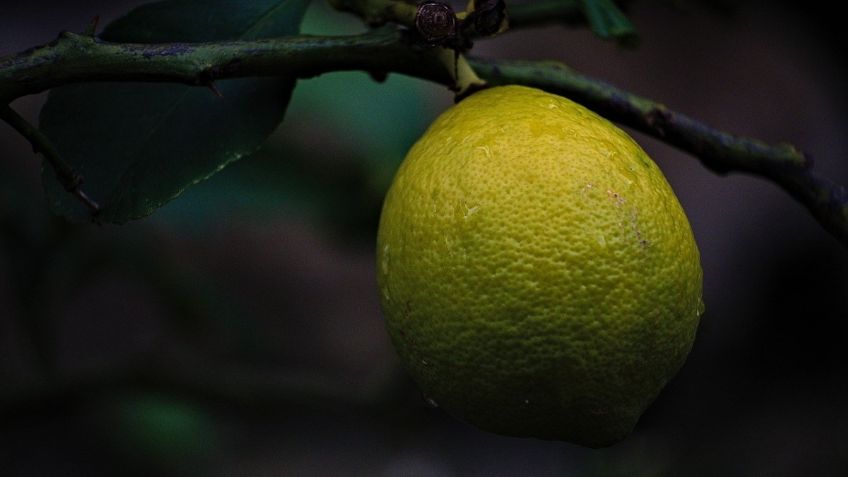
538 275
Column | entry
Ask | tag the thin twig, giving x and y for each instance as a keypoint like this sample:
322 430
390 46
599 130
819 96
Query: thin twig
41 144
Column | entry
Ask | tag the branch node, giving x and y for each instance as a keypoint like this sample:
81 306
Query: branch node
657 118
65 174
488 18
436 22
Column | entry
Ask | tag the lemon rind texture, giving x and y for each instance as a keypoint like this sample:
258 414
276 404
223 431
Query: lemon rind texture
537 274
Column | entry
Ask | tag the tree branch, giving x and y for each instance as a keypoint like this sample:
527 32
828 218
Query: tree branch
66 174
77 58
719 151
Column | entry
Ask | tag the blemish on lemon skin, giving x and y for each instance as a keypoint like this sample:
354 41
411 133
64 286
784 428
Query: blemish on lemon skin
469 211
615 196
384 264
485 150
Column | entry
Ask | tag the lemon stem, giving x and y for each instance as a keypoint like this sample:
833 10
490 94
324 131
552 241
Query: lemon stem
465 78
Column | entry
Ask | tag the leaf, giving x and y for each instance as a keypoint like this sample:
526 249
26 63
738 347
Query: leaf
139 145
336 186
608 22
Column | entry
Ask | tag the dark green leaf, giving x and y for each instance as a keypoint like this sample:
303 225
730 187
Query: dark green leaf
140 145
334 186
608 22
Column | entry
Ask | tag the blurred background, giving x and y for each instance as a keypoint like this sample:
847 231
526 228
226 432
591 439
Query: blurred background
237 330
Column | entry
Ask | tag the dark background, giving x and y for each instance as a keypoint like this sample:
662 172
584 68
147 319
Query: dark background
237 330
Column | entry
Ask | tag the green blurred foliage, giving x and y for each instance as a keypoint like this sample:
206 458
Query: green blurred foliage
160 434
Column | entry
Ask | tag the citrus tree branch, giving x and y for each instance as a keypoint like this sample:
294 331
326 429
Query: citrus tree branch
40 143
74 58
79 58
719 151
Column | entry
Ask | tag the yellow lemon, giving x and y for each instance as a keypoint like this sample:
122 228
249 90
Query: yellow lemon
537 274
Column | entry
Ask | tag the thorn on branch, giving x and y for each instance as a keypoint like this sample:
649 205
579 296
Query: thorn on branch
91 29
217 92
72 183
92 206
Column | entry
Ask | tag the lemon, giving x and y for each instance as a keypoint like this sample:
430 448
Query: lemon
537 273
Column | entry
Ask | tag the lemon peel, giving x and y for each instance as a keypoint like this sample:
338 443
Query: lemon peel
537 273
